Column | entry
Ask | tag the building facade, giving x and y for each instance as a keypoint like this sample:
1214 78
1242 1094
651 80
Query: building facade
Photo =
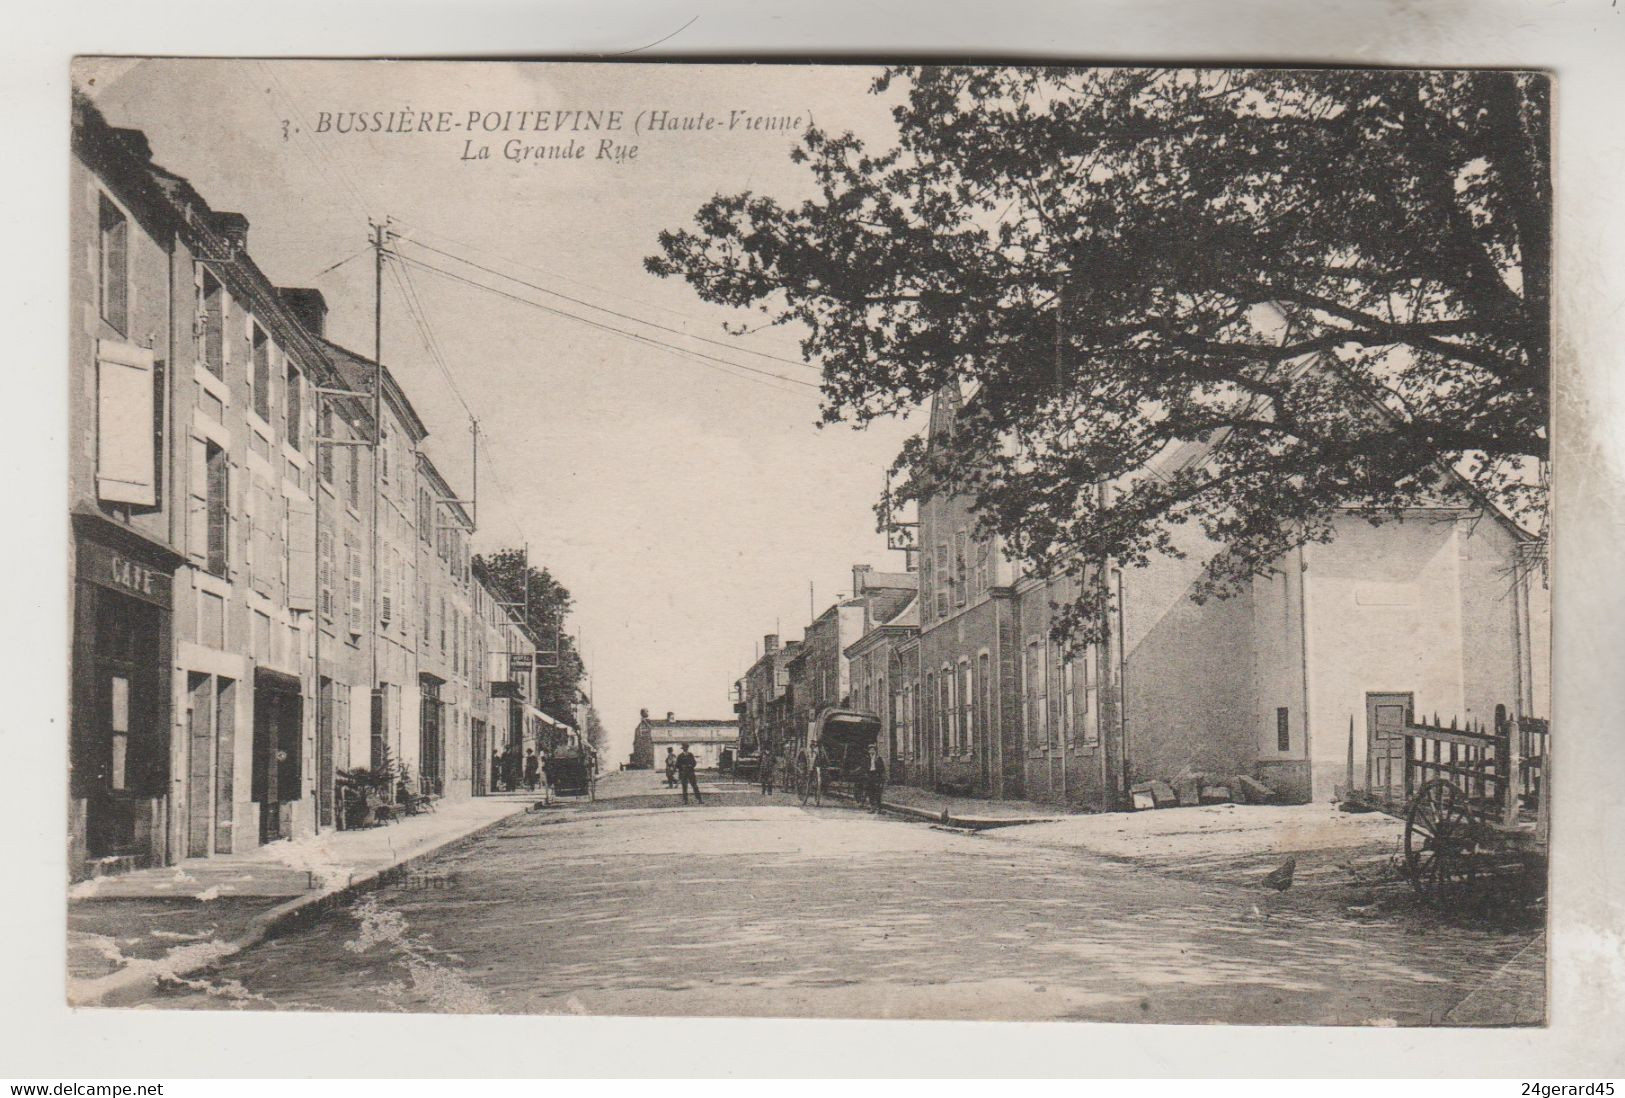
706 739
1282 682
249 545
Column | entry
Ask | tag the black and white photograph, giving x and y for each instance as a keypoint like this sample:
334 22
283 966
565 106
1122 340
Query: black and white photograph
990 542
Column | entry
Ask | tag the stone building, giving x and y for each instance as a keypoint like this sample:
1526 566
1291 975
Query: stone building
245 574
1438 612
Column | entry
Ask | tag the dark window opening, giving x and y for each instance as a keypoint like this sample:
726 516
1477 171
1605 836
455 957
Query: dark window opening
114 261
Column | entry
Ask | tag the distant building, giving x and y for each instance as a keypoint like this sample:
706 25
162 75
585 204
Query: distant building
706 740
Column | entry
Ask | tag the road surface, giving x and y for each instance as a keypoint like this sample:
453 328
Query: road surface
758 906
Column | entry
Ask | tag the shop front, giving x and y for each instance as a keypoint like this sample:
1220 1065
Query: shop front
121 706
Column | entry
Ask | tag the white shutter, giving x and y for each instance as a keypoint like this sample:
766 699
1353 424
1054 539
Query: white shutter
301 554
126 459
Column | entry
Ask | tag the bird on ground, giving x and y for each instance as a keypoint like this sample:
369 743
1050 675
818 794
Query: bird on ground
1281 879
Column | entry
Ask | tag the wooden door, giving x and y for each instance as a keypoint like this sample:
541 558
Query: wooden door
1385 717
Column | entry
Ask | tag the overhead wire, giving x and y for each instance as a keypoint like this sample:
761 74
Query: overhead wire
612 312
701 357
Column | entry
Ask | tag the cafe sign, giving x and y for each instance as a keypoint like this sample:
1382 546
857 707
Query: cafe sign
112 569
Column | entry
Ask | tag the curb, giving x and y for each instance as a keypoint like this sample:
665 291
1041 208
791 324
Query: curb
135 982
968 823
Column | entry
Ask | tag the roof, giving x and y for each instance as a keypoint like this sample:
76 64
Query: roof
903 626
357 371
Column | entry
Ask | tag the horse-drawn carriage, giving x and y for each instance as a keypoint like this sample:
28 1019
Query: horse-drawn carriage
572 771
836 755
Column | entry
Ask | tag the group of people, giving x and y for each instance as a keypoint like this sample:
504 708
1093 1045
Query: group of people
783 771
509 769
680 770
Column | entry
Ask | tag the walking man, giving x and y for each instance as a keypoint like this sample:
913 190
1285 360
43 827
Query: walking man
875 778
533 769
685 773
671 766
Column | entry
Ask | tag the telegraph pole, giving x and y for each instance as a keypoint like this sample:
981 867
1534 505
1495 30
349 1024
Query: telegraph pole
376 719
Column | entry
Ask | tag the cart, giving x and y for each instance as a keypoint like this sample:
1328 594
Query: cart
837 755
1474 805
573 772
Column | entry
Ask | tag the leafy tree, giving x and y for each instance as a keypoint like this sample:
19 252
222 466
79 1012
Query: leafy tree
597 734
1334 285
558 681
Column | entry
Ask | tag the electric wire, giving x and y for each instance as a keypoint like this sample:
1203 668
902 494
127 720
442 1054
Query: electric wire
699 356
623 316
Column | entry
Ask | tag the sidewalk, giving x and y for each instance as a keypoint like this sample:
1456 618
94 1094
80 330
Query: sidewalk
973 813
128 932
1235 844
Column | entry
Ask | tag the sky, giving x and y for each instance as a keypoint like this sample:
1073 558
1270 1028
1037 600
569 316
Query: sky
686 503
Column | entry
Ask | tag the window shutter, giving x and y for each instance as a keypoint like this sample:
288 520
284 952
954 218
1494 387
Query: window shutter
197 502
386 587
301 549
126 465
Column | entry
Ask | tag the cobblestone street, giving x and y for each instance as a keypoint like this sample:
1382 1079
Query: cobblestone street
829 912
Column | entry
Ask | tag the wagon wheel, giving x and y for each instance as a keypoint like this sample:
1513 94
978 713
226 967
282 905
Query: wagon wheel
1439 843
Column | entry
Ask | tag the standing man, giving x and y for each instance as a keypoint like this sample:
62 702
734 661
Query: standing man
875 778
671 766
765 770
496 771
533 769
685 774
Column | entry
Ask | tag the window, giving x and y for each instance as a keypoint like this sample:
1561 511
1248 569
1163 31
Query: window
217 508
984 564
1283 730
352 572
1069 701
113 262
1091 697
324 430
384 444
442 625
1037 706
293 406
961 567
325 567
119 722
927 586
260 370
212 323
944 577
967 708
927 712
945 711
984 696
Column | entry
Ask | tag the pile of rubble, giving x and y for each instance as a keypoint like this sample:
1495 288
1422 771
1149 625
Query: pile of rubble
1195 788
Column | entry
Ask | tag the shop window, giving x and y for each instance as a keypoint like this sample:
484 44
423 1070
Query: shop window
119 725
113 290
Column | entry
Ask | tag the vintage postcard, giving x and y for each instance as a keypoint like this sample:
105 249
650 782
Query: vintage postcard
967 542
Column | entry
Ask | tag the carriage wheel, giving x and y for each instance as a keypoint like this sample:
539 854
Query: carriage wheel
1439 843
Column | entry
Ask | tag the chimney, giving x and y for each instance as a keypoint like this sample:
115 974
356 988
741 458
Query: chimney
234 227
859 573
670 716
308 307
770 643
